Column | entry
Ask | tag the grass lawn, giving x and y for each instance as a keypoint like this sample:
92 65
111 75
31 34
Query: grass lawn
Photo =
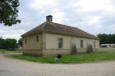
2 51
80 58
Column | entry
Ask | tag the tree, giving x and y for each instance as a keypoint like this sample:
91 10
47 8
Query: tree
20 42
2 43
11 44
9 12
106 38
103 38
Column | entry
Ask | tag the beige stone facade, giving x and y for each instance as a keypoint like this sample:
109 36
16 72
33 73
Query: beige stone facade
47 45
50 39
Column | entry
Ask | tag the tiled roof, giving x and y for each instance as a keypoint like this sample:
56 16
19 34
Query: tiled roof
60 29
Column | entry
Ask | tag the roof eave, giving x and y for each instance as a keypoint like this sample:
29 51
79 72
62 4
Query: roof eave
47 31
25 35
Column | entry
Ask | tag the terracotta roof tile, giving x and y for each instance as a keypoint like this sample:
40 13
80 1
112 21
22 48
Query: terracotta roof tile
61 29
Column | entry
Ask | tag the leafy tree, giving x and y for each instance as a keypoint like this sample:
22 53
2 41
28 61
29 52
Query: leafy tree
11 43
9 12
20 42
113 38
106 38
8 43
103 38
2 43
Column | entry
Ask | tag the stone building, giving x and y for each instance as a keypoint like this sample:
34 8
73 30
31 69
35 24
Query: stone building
50 39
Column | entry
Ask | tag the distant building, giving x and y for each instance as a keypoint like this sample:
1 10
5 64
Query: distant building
50 39
108 45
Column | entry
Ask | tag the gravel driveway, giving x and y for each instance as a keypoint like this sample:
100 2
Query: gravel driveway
13 67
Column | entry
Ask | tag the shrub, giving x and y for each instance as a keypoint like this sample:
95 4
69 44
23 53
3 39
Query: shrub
89 49
74 50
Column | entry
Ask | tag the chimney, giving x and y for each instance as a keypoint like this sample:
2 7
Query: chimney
49 18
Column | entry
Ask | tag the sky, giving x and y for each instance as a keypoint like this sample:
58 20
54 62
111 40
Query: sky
92 16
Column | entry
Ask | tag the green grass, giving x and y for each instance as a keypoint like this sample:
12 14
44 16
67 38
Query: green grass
80 58
3 51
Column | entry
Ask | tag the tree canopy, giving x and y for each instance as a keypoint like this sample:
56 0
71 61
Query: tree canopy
8 43
9 12
106 38
20 42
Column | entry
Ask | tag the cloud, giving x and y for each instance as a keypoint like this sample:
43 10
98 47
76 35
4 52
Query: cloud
91 20
108 20
58 16
95 5
92 16
108 29
40 4
9 32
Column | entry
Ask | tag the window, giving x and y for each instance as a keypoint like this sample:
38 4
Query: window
60 43
81 43
94 44
37 38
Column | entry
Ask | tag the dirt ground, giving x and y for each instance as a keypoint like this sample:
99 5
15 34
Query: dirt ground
13 67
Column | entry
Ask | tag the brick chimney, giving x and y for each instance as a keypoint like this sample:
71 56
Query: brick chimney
49 18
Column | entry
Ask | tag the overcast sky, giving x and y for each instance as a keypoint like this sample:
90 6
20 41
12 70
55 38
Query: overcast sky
92 16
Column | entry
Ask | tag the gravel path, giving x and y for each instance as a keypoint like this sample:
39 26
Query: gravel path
13 67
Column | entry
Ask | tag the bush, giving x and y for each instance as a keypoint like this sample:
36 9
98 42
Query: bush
89 49
74 50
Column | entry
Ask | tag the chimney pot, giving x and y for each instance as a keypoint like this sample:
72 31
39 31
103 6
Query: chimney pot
49 18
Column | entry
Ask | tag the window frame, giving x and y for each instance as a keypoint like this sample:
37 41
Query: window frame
60 43
81 43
